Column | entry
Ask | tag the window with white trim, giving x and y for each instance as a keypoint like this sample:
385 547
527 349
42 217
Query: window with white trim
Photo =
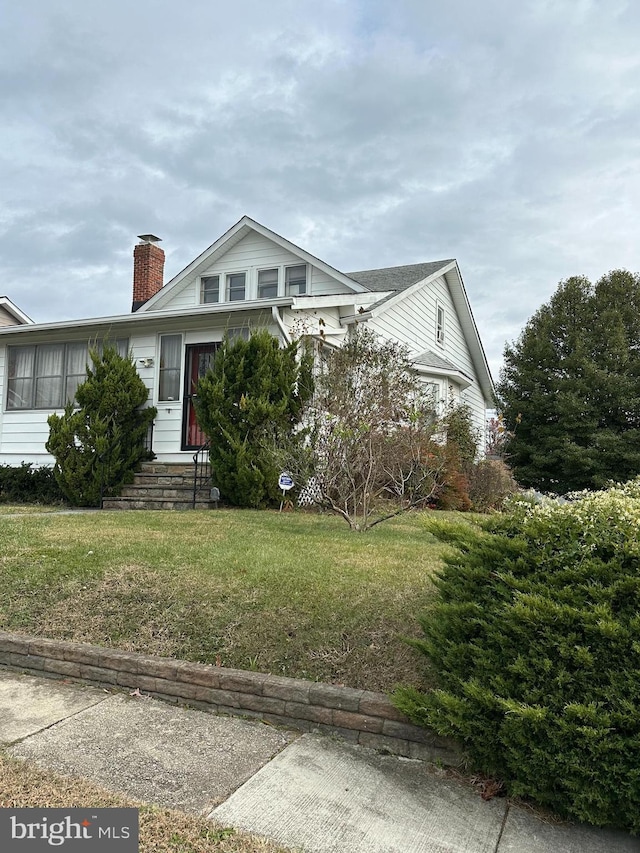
169 371
210 289
46 376
440 327
267 284
295 280
236 286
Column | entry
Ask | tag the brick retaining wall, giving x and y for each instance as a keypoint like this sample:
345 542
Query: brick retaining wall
359 716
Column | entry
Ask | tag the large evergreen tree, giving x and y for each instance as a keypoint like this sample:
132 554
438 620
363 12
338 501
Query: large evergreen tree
253 393
99 441
570 387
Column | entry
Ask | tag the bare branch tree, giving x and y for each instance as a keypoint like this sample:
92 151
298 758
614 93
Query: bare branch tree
369 450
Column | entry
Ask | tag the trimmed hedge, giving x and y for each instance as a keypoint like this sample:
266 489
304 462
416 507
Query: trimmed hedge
29 485
535 637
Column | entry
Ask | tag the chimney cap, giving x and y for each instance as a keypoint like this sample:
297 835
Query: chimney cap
149 238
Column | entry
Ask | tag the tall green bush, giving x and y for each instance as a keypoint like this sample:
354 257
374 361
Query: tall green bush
252 395
100 442
535 637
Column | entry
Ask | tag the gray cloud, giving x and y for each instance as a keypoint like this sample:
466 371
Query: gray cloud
503 134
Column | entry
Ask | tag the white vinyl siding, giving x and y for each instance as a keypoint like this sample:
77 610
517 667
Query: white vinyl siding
322 284
413 321
6 319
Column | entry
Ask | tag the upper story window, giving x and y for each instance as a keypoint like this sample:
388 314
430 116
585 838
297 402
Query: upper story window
440 325
46 376
295 280
267 284
236 286
210 289
254 284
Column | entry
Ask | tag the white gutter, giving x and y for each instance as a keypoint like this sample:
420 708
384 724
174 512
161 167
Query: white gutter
275 313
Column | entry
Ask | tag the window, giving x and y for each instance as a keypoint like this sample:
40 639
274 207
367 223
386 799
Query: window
76 359
295 280
440 325
210 289
21 377
46 376
267 284
236 286
170 361
238 332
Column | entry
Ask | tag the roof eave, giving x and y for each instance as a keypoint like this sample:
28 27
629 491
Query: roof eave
148 319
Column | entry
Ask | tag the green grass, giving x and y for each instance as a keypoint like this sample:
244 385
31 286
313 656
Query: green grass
292 594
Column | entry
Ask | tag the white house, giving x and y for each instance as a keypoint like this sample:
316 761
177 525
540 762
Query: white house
250 277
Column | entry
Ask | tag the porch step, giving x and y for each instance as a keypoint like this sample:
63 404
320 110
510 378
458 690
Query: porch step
167 468
161 485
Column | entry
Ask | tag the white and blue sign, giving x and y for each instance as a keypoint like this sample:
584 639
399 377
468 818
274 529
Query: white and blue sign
285 482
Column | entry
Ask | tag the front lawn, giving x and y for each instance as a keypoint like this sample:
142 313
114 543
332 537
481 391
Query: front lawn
292 594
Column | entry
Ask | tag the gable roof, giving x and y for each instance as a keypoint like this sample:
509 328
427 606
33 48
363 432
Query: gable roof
12 309
229 239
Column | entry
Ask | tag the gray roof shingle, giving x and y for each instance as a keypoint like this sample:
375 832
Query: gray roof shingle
432 359
396 278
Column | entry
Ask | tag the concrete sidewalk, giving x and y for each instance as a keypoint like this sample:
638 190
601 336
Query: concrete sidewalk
307 792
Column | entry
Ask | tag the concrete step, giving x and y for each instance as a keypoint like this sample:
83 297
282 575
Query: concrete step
167 468
164 479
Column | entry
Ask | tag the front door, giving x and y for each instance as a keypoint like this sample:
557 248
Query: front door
198 359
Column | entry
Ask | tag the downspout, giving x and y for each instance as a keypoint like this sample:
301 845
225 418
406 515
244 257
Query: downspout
275 313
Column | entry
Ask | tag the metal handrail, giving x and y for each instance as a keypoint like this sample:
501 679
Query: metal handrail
202 470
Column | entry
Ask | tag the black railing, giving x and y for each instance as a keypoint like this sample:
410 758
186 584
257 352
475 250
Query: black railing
201 471
104 461
148 441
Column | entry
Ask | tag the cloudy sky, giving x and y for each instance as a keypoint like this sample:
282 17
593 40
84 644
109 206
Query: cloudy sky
371 132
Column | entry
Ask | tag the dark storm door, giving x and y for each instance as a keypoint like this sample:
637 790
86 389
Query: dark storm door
198 359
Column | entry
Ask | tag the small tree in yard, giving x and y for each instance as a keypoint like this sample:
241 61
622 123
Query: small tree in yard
99 443
370 451
253 394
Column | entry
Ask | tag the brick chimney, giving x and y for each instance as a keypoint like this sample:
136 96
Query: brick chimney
148 269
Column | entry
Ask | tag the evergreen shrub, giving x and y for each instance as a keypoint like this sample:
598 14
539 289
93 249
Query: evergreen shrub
535 639
28 485
99 441
250 398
